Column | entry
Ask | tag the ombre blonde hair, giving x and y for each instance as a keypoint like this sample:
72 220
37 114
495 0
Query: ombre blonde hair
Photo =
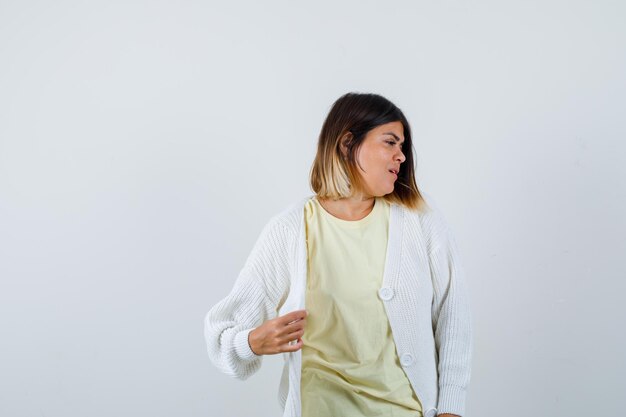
335 175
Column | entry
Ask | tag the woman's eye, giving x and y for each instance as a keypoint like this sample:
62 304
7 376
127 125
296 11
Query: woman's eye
392 143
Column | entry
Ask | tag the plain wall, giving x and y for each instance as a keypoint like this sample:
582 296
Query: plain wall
143 146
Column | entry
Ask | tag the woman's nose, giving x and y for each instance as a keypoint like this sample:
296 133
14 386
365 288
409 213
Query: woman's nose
401 157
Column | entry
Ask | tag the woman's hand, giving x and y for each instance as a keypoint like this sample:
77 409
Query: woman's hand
274 335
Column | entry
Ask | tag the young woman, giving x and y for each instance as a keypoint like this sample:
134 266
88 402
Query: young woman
359 286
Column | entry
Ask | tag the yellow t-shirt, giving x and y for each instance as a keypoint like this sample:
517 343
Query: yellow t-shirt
349 362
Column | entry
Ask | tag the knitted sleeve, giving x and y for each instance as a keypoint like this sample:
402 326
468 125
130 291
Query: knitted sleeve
254 298
451 318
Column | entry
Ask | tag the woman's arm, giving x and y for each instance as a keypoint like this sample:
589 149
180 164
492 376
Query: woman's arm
254 299
451 321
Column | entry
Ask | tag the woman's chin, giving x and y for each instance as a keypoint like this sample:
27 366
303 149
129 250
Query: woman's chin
382 192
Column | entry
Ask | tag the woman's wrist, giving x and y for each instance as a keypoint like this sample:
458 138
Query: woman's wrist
250 342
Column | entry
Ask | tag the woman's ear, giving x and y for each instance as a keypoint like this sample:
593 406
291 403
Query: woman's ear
344 142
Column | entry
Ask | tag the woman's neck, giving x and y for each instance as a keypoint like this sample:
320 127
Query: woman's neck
348 208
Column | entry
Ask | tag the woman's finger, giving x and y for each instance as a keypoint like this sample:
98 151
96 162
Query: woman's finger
292 336
293 347
291 317
295 326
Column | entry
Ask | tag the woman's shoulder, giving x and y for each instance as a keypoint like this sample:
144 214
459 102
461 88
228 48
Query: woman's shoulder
291 216
431 219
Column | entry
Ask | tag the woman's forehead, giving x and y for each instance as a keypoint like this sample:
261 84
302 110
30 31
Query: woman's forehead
395 129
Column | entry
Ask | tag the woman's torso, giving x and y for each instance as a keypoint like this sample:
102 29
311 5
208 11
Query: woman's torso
349 360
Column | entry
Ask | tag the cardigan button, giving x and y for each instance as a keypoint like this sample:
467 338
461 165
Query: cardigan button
432 412
406 359
385 293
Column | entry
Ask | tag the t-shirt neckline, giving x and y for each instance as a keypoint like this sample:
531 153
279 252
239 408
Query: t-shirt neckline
351 223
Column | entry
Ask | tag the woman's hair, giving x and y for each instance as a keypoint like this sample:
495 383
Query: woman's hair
335 176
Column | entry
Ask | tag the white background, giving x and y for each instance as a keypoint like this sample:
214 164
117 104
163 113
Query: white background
143 146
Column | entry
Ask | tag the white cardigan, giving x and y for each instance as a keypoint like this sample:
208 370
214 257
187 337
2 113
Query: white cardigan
424 293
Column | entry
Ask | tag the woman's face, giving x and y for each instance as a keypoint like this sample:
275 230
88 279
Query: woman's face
381 153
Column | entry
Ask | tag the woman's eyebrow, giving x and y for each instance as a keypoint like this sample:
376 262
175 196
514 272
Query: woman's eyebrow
394 135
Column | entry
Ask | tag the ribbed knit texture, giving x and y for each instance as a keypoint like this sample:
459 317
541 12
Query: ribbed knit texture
428 311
